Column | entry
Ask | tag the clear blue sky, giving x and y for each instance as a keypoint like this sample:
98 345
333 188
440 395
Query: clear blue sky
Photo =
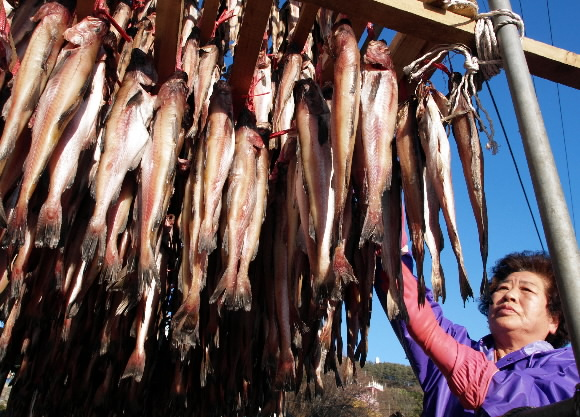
510 224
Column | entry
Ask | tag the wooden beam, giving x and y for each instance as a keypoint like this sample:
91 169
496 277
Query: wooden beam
405 49
167 30
84 8
426 22
307 18
552 63
247 50
208 19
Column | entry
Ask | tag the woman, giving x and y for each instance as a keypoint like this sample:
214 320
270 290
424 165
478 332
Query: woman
521 363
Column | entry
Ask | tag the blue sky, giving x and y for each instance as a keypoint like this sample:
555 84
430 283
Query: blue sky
511 227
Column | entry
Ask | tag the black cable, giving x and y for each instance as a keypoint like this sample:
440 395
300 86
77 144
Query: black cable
515 163
562 125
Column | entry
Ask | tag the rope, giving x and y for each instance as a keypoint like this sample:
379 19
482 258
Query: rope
466 87
478 68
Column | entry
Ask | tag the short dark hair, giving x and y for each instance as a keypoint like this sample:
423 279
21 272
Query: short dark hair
538 263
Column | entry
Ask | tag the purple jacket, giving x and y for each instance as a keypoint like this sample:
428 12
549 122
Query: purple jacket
534 376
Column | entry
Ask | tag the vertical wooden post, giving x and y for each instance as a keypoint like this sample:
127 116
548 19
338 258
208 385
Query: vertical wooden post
247 50
167 30
84 8
208 18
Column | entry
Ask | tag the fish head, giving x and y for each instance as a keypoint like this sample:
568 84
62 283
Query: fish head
175 86
51 8
342 34
378 55
87 31
142 67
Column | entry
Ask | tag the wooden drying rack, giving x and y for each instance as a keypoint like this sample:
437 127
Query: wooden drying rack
419 26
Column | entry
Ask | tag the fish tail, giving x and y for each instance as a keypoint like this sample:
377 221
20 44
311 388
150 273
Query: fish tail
285 374
341 266
148 273
372 228
393 309
243 293
484 287
421 290
438 283
192 131
135 366
185 327
49 226
464 287
16 283
72 309
222 292
16 227
207 240
110 270
95 235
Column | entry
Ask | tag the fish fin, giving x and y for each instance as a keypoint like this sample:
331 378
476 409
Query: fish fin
372 228
147 274
207 240
484 287
285 374
16 283
243 293
137 159
94 236
392 306
72 309
16 231
3 218
221 292
311 229
421 290
464 287
361 353
111 269
192 132
66 116
135 366
341 266
48 226
185 324
6 107
438 283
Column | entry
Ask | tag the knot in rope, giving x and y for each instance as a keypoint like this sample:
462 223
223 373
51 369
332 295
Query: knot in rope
471 65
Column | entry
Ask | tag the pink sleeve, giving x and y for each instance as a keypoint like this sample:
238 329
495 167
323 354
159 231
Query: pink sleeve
468 372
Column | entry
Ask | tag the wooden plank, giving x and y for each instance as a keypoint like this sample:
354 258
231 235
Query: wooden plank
167 30
84 8
208 19
552 63
307 18
246 53
405 49
438 26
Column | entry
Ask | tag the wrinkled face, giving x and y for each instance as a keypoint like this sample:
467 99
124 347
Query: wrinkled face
519 309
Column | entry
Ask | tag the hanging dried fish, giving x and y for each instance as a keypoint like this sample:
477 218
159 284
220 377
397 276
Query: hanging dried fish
438 166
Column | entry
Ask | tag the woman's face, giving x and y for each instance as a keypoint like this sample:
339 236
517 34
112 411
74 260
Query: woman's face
519 310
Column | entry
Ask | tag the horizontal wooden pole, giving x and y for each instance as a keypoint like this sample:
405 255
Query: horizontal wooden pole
423 21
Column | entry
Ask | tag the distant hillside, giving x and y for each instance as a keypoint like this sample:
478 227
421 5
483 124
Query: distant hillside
400 393
393 374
